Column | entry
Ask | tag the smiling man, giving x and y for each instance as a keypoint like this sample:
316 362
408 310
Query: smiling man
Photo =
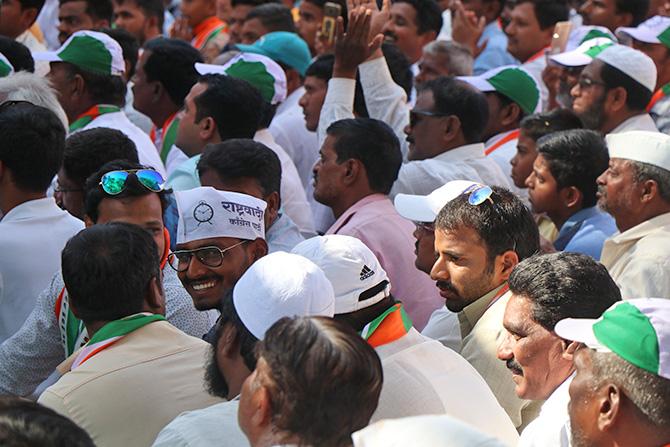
412 25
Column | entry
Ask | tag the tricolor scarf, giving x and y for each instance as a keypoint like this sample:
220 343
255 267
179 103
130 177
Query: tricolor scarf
111 333
388 327
168 136
513 135
85 118
206 31
660 94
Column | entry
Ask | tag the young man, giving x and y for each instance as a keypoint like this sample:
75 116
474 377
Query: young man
563 185
201 26
310 19
81 15
413 24
614 13
16 18
264 19
141 18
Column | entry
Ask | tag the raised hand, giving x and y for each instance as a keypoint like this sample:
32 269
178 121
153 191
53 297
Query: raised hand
355 46
467 29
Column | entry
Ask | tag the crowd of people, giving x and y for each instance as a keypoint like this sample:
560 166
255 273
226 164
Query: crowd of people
335 223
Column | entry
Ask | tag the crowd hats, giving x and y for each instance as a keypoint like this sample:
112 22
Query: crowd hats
583 54
426 208
513 82
6 67
583 33
283 47
647 147
633 63
654 30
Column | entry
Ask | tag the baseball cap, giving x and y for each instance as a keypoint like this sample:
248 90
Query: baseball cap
633 63
638 145
6 67
648 31
514 82
583 33
281 285
354 271
283 47
583 54
89 50
636 330
426 208
258 70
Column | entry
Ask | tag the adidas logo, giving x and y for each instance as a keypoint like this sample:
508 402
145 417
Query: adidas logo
366 272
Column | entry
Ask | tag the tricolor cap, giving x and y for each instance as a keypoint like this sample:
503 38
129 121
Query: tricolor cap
583 54
258 70
354 271
283 47
653 30
636 330
633 63
6 67
281 285
639 145
89 50
583 33
426 208
514 82
206 213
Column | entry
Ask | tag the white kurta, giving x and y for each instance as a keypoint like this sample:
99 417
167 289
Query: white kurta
643 121
552 426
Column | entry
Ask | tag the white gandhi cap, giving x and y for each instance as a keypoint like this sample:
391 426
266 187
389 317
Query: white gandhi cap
647 147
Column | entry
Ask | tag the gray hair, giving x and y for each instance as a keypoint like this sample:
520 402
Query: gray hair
645 171
31 87
460 61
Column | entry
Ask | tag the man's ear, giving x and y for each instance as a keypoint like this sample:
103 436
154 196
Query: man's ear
88 222
157 91
352 171
569 349
511 114
649 191
273 206
155 298
452 128
208 130
228 345
616 99
506 263
259 248
609 399
77 87
570 196
262 404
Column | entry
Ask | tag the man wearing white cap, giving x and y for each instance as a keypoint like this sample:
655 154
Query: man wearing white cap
278 285
619 395
652 37
87 72
420 375
614 89
635 190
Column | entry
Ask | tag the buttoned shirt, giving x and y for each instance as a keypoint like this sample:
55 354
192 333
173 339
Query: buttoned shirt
32 236
639 259
423 377
375 221
495 54
642 121
552 426
585 232
125 394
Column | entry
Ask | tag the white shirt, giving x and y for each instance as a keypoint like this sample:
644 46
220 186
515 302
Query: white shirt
32 236
443 326
48 22
643 121
552 426
215 425
502 155
31 42
535 66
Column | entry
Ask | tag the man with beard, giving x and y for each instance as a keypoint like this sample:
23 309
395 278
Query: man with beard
635 190
278 285
614 89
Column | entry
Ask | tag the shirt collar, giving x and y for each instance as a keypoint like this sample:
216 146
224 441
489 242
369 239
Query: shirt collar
31 208
580 216
641 230
344 218
468 151
471 313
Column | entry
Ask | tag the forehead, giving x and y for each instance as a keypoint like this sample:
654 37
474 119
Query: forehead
461 238
140 209
221 242
315 82
73 8
593 69
404 10
518 311
125 4
307 7
524 12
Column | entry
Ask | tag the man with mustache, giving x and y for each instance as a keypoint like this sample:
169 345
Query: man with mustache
545 289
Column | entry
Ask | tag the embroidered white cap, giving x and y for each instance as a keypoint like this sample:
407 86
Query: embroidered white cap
631 62
643 146
426 208
354 271
281 285
647 31
208 213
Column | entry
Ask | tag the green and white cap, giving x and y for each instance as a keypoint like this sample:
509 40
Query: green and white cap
6 67
653 30
583 54
583 33
514 82
89 50
636 330
258 70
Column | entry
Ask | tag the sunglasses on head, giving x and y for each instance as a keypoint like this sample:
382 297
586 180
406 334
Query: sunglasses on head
478 194
114 182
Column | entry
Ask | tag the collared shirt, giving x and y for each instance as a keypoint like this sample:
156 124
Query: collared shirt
375 221
125 394
444 327
552 426
462 163
30 355
642 121
423 377
495 54
283 234
502 153
204 428
585 232
535 66
185 176
639 259
32 236
482 329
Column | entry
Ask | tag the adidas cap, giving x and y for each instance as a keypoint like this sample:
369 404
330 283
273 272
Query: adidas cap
583 54
633 63
6 67
636 330
653 30
426 208
353 270
89 50
514 82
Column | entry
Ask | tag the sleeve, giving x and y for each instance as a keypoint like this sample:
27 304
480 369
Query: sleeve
52 400
645 277
32 353
171 436
338 105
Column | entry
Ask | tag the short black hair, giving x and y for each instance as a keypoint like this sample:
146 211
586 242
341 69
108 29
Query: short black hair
541 124
252 2
322 67
172 63
37 4
17 54
428 15
150 8
503 223
107 270
637 95
636 8
372 142
103 88
549 12
238 158
576 158
234 104
274 17
88 150
455 97
129 46
98 9
33 140
94 194
564 285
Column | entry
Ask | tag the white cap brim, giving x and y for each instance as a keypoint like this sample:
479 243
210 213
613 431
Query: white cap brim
639 34
205 69
478 82
580 330
415 208
48 56
571 59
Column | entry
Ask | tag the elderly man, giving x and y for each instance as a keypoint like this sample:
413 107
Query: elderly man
635 190
443 58
619 395
546 289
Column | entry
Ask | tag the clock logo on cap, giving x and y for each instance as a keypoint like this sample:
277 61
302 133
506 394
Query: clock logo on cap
203 213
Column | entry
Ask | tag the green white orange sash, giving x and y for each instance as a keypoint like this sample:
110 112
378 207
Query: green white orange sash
388 327
113 332
513 135
206 31
660 94
168 136
85 118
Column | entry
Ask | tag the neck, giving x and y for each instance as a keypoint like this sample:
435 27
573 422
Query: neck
16 197
93 327
625 223
615 121
83 106
453 144
272 437
559 217
151 34
235 377
164 111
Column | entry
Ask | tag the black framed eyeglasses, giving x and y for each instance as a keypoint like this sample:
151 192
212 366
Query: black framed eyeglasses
416 114
210 256
585 82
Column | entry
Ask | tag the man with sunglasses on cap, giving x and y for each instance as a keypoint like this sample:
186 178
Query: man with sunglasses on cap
52 332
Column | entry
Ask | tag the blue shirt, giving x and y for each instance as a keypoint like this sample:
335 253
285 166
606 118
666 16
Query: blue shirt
495 54
283 235
185 176
585 232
